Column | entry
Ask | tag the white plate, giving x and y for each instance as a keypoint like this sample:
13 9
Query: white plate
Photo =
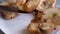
17 25
20 23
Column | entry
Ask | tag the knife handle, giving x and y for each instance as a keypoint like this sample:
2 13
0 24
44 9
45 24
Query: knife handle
1 32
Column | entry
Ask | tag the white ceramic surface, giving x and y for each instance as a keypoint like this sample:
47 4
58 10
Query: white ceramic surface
20 23
17 25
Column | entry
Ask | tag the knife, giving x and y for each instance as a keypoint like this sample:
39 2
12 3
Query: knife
1 32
